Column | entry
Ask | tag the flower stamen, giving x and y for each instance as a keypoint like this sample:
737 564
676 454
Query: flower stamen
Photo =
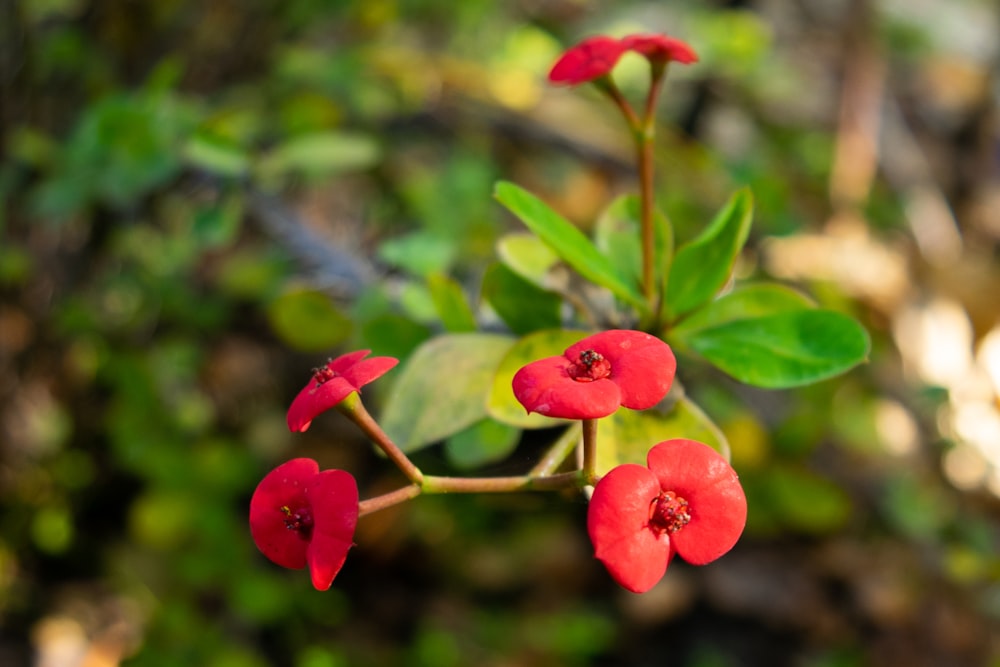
668 513
591 366
300 521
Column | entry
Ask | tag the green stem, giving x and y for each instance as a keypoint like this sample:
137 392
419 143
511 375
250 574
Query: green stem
558 452
355 410
590 451
433 484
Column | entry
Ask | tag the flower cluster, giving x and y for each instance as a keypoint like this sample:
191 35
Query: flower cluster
595 57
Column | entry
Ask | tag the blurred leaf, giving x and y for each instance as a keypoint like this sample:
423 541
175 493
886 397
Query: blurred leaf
307 320
162 519
319 154
442 389
502 405
520 304
567 241
702 266
744 302
217 225
393 335
216 156
527 255
804 500
618 235
484 442
784 350
452 307
420 253
52 529
627 435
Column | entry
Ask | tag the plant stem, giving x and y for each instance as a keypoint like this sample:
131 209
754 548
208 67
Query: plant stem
355 410
558 452
388 499
644 149
590 451
433 484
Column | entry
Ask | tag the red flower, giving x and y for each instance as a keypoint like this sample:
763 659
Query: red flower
598 374
660 48
688 501
333 383
590 59
300 516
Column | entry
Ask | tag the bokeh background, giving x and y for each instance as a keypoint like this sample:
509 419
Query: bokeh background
202 200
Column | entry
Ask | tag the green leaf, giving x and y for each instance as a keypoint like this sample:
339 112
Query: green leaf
744 302
527 255
420 253
216 155
618 235
442 388
307 320
567 241
484 442
319 154
627 435
502 405
520 304
451 305
702 266
786 349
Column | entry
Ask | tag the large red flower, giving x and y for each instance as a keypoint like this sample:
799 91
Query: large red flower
332 383
660 48
597 375
300 516
591 59
688 501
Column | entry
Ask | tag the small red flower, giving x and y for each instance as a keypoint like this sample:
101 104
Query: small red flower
300 516
660 48
332 383
688 502
598 374
591 59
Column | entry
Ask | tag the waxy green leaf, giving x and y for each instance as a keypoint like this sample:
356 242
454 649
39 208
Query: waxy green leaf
744 302
787 349
442 388
627 435
702 266
568 242
307 320
502 405
519 303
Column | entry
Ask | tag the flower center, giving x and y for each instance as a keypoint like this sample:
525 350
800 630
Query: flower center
323 374
299 520
668 512
591 366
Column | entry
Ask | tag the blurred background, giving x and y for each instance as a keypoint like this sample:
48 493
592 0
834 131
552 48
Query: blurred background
202 200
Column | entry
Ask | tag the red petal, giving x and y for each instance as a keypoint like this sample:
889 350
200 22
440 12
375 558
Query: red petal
661 47
618 524
333 496
314 400
544 387
345 361
592 58
369 370
284 486
642 365
716 502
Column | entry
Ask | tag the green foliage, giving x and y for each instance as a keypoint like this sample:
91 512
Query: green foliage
567 241
443 388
